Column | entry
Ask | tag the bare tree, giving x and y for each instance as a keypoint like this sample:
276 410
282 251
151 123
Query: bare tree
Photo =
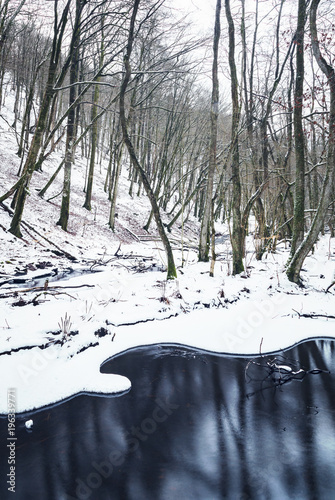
237 239
29 168
94 131
71 125
296 262
206 224
171 268
299 202
9 11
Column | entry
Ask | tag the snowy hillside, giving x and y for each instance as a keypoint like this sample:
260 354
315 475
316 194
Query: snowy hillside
108 291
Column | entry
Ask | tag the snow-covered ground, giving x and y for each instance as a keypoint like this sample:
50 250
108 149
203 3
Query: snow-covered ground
54 340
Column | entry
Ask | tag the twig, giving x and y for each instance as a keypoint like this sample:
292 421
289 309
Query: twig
313 315
260 347
49 292
332 284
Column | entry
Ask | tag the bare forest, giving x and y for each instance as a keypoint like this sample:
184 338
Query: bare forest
236 126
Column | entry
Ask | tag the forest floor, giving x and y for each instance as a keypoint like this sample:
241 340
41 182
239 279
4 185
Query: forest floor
71 300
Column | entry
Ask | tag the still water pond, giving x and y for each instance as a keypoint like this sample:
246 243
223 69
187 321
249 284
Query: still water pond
194 426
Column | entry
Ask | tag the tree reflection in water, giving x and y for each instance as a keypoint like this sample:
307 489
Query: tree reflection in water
187 430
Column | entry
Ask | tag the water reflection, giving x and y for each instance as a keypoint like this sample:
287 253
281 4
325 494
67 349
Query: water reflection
187 430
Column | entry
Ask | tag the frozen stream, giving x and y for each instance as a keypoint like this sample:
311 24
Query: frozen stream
187 430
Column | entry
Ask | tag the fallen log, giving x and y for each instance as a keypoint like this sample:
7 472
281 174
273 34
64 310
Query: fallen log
29 226
15 292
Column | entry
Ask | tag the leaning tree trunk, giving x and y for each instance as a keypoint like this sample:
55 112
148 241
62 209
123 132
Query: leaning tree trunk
171 268
296 262
30 164
29 168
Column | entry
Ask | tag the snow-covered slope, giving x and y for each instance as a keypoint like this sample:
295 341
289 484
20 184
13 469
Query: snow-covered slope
54 336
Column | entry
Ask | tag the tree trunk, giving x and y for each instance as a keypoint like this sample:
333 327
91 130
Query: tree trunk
296 262
29 167
94 140
35 146
205 231
117 157
71 127
171 268
299 202
237 234
89 187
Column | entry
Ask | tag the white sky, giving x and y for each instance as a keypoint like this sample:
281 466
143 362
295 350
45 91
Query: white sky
201 12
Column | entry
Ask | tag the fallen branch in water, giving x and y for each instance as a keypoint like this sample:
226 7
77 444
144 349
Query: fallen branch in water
279 370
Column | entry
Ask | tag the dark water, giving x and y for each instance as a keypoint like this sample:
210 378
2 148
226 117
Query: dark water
187 430
52 276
